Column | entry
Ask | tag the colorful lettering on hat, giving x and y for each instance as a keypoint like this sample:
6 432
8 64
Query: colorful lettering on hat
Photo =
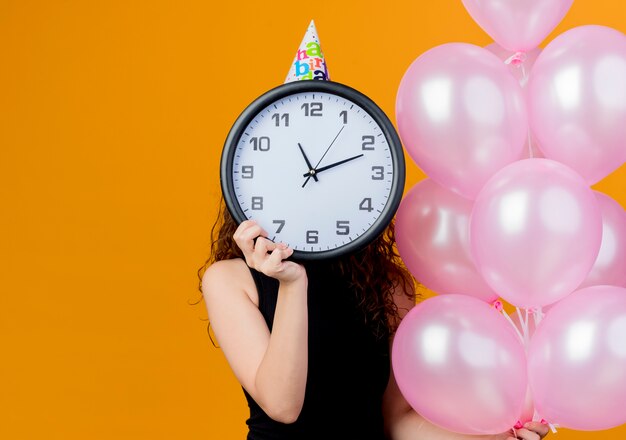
309 62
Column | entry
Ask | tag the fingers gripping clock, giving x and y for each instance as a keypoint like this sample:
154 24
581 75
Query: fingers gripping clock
317 164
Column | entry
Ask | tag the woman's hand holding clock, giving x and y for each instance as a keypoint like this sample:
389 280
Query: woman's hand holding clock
265 256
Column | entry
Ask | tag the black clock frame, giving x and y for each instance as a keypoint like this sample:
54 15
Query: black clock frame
347 92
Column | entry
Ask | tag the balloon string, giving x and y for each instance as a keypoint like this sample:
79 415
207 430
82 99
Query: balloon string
526 320
524 336
552 426
524 325
538 316
499 307
538 418
530 145
524 75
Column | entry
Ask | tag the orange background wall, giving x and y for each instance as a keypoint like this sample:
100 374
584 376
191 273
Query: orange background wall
112 119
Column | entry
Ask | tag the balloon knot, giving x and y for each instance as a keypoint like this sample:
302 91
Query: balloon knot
516 59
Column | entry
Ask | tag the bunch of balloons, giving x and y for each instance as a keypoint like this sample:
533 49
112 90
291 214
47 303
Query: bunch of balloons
511 138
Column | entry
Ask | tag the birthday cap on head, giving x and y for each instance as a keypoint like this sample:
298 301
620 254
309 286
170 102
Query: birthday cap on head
309 62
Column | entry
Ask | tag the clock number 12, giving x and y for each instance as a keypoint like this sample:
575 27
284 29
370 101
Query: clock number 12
312 109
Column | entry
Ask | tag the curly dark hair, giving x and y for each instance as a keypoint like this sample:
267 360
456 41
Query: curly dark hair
374 288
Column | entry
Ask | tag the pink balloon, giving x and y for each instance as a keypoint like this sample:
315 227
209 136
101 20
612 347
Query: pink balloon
461 116
577 100
535 232
518 25
610 266
432 234
460 365
577 360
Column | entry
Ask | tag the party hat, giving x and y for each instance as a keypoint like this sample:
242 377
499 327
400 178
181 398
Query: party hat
309 62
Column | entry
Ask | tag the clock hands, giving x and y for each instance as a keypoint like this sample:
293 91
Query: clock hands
308 164
332 165
312 171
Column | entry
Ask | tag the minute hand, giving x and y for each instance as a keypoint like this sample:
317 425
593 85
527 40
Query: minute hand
332 165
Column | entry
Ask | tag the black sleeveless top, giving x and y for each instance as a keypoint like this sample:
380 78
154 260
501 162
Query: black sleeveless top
348 368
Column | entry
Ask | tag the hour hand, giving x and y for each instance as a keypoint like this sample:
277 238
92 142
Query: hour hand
311 172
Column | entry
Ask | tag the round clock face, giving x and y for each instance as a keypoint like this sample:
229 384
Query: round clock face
317 164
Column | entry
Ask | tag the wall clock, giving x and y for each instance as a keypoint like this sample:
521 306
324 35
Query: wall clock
317 164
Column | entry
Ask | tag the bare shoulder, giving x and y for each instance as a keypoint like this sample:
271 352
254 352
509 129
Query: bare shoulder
228 276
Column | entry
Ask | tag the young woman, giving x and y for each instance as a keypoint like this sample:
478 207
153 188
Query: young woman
310 342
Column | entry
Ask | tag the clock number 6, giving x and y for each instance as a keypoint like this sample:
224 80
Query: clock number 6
312 237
